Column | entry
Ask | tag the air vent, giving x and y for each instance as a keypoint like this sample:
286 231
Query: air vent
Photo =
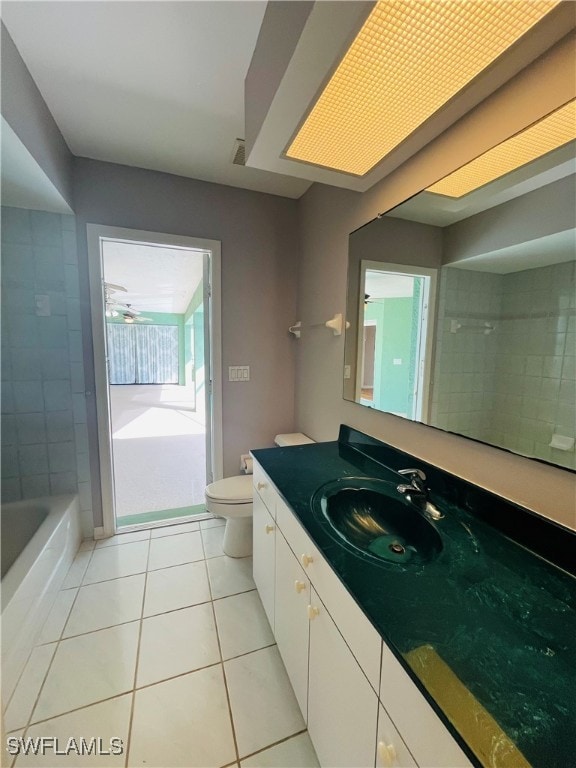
239 152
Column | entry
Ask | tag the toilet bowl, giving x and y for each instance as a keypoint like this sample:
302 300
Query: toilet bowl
231 498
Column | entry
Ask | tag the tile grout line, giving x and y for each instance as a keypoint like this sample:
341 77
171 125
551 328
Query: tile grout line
136 666
135 688
150 685
148 616
48 669
79 709
232 726
274 744
153 570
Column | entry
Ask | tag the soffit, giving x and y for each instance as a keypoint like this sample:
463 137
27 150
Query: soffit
156 85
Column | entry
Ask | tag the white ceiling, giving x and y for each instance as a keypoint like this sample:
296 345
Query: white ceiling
157 85
156 279
160 84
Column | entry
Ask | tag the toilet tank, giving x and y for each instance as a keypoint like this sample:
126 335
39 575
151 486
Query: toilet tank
292 438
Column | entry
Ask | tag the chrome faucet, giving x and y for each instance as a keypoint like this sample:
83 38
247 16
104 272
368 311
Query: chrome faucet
417 492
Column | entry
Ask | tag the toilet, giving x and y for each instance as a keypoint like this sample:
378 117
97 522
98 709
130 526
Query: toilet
231 498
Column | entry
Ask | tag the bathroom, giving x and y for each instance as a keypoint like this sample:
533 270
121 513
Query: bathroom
284 259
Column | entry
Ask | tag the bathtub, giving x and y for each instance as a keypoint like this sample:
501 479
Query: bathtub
39 540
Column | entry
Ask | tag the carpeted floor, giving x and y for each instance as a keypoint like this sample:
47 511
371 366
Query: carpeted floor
159 449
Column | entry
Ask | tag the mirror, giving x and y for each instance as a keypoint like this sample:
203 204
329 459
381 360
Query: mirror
462 311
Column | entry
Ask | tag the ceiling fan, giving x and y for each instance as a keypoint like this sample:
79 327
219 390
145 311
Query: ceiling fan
119 308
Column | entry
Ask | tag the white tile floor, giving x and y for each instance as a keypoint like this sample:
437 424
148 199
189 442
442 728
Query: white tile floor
159 639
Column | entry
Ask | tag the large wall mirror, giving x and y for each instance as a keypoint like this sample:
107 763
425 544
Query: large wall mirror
462 306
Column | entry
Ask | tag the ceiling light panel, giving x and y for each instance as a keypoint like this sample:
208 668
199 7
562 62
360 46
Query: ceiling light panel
542 137
407 61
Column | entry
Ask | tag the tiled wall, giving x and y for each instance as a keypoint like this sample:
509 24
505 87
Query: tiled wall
536 394
44 436
464 384
516 386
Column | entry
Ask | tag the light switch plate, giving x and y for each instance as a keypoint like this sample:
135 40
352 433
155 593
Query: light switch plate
42 305
239 373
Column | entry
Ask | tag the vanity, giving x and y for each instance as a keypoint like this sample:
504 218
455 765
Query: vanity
451 643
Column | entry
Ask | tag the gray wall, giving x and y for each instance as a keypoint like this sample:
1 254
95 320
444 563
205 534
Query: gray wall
394 241
259 279
543 212
327 217
44 438
25 110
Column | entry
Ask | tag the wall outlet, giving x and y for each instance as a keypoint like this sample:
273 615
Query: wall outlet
347 372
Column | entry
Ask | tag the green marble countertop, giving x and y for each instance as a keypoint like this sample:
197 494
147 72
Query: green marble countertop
500 617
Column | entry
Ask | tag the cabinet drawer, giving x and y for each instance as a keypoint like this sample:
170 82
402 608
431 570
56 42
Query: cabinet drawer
265 488
298 540
363 640
430 742
391 752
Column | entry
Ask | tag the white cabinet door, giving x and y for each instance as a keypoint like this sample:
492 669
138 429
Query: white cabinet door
391 752
342 706
291 619
264 535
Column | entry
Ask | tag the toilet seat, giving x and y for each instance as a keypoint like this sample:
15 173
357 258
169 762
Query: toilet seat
231 490
232 499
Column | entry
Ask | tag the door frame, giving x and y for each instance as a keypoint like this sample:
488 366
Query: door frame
212 297
426 329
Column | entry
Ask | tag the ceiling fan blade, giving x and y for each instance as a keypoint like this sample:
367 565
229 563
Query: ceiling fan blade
112 288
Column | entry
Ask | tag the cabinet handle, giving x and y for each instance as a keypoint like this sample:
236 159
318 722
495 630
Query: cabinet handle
313 611
386 754
299 586
268 528
260 485
306 560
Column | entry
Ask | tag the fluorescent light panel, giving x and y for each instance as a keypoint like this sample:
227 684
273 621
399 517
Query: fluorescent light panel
550 133
407 61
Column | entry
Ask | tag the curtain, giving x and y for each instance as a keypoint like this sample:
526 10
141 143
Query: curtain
121 354
143 354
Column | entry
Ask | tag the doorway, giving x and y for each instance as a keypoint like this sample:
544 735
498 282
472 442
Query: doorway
155 312
396 349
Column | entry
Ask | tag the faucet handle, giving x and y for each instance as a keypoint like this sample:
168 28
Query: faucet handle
413 473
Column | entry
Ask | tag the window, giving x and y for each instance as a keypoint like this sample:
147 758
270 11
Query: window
142 354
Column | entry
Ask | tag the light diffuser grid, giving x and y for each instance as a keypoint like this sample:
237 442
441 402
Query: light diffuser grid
542 137
409 59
